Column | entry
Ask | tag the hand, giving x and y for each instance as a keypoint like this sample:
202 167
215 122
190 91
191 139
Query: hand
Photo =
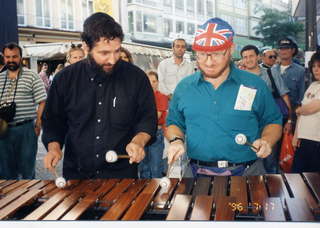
295 143
136 152
264 148
175 150
52 158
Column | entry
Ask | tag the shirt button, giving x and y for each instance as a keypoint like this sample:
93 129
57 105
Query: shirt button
99 103
97 172
92 79
100 85
97 155
214 102
98 120
98 137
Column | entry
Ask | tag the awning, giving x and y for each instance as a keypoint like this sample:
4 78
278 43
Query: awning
301 9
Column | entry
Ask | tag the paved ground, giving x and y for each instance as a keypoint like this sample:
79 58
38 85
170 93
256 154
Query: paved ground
41 172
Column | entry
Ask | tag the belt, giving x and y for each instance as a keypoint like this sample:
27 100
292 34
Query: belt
221 164
19 123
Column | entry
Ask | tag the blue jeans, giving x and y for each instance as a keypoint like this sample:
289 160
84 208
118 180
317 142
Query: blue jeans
152 166
18 151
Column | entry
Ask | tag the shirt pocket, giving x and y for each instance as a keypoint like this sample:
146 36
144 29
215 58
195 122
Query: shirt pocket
121 112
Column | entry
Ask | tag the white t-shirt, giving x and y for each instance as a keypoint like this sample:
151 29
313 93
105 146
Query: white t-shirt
309 125
283 68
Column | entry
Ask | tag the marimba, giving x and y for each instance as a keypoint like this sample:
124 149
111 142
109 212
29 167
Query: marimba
287 197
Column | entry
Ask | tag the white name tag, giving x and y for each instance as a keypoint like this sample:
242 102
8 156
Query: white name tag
222 164
245 98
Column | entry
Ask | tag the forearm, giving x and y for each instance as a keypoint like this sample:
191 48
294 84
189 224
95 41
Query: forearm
141 139
40 109
272 133
174 131
309 109
288 103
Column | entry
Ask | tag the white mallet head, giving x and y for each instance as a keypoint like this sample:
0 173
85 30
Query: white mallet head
111 156
165 183
241 139
60 182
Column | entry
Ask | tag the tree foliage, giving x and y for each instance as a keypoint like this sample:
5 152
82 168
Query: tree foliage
275 25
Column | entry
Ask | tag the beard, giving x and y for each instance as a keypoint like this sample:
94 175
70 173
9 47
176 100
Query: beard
12 66
99 67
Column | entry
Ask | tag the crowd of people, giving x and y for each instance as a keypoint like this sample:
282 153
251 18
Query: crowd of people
227 118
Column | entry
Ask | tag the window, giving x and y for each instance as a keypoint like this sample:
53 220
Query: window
179 5
67 19
228 19
150 2
167 27
241 26
43 13
190 7
241 4
200 7
209 8
20 12
130 22
180 27
87 8
167 3
149 23
191 29
139 21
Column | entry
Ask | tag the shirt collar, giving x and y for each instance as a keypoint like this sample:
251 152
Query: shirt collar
182 63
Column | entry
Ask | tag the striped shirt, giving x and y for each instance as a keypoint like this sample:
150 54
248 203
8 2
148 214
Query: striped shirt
30 93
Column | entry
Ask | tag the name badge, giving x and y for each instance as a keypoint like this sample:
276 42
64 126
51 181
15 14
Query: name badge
222 164
245 98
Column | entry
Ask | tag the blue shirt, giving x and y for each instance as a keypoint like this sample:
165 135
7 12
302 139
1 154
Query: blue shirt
208 118
293 77
278 81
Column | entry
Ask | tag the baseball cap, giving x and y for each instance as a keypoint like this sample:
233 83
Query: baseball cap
286 43
214 35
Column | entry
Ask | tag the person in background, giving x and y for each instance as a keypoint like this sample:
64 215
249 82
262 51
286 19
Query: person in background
18 148
75 54
269 58
306 138
44 76
153 165
125 55
211 107
58 68
172 70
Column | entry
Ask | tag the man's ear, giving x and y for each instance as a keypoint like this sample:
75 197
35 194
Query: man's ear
232 48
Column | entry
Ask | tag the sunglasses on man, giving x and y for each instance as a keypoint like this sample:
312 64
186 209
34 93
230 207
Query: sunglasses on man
272 56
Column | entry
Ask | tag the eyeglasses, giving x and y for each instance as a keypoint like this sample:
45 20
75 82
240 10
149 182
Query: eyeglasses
203 56
272 57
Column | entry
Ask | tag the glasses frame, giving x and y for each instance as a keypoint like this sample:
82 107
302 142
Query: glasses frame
213 55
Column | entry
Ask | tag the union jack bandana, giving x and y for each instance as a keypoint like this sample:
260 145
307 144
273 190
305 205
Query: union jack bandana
214 35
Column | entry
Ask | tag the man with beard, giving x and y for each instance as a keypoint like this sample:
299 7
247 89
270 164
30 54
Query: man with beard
99 104
23 95
210 108
175 68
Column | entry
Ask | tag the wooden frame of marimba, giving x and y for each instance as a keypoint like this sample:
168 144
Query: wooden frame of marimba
287 197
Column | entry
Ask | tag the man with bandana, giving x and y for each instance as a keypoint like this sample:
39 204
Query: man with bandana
22 94
99 104
220 108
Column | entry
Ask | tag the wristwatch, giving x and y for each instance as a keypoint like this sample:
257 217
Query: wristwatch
175 139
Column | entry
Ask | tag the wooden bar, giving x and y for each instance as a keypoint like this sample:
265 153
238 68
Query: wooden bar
185 186
273 210
114 194
11 197
224 210
180 207
300 189
13 207
238 189
202 186
13 186
299 210
220 185
124 202
202 208
142 202
313 180
277 187
258 192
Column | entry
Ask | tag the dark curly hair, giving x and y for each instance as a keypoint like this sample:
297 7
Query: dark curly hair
100 25
314 58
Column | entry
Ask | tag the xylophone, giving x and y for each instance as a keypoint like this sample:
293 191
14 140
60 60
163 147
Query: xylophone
286 197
